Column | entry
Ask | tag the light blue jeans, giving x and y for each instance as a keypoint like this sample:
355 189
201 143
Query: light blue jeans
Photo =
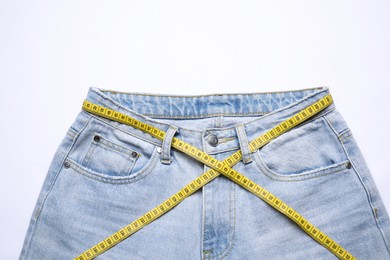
105 175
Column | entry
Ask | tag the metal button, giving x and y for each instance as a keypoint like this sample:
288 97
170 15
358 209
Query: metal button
212 140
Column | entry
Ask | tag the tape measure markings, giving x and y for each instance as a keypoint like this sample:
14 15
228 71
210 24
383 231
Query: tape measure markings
223 167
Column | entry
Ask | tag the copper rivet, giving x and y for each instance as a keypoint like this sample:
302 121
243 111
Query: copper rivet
349 165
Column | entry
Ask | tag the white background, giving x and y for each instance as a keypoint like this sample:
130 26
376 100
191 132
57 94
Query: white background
52 51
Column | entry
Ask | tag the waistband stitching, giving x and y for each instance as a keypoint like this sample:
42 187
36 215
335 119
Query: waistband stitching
311 95
205 95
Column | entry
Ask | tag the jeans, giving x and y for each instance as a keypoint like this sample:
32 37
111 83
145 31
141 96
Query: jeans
106 174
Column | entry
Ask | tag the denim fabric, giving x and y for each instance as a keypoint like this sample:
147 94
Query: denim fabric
105 175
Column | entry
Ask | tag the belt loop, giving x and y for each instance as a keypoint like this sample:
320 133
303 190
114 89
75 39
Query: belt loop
244 145
166 145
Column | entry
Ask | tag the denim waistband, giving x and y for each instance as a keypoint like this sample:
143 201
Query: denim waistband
266 110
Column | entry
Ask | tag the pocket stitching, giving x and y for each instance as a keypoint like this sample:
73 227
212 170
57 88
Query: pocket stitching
309 174
104 143
111 124
344 135
116 180
112 146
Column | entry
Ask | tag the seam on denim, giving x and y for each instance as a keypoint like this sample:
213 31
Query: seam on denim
300 176
313 118
130 166
344 131
204 95
368 194
114 148
311 174
316 117
192 130
258 113
337 135
310 120
148 168
225 150
226 139
331 126
340 136
233 240
310 95
160 116
203 208
229 245
212 255
90 150
40 207
72 133
345 135
126 132
239 134
202 223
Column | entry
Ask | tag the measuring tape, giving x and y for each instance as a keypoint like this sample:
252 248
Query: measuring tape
217 168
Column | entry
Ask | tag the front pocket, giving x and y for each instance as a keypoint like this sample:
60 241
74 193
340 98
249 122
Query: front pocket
108 157
308 150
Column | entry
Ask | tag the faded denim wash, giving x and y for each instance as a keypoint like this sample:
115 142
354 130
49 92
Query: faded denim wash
105 175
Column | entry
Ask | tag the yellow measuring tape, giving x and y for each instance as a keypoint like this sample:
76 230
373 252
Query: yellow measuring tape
217 168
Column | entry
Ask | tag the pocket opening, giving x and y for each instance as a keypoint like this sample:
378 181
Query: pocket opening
306 151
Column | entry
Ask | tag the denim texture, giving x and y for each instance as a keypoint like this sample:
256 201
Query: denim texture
105 175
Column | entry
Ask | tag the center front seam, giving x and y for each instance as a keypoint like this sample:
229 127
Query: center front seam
219 218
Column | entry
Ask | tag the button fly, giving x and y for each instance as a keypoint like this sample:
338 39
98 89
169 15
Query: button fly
212 140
